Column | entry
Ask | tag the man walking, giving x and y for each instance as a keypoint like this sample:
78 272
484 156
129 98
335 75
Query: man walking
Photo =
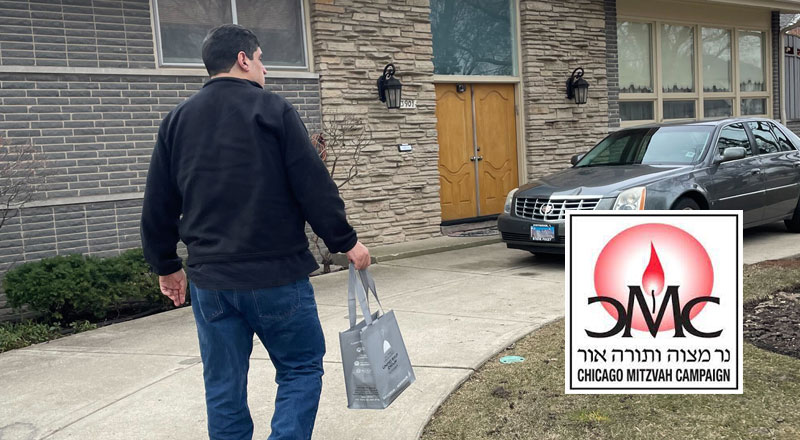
235 177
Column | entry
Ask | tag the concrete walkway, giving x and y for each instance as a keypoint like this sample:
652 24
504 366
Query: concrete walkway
143 379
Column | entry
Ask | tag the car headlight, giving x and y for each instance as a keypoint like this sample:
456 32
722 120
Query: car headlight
631 199
509 200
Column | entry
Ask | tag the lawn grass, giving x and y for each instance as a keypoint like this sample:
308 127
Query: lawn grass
527 401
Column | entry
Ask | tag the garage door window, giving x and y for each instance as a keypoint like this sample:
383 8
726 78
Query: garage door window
677 54
751 62
687 71
635 57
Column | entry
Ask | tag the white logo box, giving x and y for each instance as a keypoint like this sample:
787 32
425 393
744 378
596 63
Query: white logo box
641 363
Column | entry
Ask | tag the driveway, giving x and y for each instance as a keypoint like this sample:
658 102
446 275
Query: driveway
143 378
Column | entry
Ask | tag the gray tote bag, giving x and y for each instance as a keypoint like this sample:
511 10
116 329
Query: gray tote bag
374 358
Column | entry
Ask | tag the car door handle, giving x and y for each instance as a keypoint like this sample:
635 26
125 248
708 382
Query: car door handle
755 171
797 164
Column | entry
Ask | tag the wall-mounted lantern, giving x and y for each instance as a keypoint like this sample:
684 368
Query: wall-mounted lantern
389 88
577 87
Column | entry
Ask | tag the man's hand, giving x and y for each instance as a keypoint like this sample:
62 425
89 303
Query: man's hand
359 256
174 286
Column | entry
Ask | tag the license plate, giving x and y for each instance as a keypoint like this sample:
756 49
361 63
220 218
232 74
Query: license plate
543 233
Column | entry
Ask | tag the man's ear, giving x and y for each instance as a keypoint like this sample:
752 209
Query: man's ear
242 61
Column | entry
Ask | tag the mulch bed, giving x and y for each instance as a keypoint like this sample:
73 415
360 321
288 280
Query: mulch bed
774 323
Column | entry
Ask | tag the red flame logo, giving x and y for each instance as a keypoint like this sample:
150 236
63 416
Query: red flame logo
689 264
653 277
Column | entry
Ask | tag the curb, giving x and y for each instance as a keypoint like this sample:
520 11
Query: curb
420 247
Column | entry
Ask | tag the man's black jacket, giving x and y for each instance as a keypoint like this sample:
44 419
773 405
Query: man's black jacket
237 163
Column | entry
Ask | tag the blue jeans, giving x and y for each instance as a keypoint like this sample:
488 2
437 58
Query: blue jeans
285 319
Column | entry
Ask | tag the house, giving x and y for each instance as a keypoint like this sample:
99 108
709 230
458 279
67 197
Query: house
790 25
483 83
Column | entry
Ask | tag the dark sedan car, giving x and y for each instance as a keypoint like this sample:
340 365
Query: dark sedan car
748 164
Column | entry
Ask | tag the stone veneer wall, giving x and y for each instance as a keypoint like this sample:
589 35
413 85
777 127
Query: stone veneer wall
775 58
557 37
396 198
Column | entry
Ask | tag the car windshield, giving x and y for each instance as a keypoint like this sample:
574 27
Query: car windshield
678 145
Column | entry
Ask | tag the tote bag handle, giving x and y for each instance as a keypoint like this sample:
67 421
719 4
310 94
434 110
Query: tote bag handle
359 285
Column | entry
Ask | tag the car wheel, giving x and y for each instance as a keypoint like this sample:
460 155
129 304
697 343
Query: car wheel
793 224
686 204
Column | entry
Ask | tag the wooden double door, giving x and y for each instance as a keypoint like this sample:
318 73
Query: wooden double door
477 148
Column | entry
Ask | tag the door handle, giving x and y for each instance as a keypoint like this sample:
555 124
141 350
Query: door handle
474 158
797 164
755 171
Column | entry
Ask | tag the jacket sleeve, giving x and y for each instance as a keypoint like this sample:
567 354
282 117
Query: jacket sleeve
161 211
313 187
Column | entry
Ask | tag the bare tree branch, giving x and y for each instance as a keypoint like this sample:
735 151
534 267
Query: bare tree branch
342 140
20 175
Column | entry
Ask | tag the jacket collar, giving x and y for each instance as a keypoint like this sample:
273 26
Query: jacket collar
230 79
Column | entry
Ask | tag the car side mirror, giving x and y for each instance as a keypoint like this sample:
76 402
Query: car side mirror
732 153
576 158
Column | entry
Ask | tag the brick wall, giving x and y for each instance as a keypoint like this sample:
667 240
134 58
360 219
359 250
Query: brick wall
557 37
95 134
76 33
397 197
612 63
100 229
777 53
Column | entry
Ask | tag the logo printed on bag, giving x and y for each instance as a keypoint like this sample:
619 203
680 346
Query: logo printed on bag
386 346
390 361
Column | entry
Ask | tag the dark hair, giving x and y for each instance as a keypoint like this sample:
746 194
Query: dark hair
222 45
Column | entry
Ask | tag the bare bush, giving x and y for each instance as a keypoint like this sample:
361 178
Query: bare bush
340 144
19 177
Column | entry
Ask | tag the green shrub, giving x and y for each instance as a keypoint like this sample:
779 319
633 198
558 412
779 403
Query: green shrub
23 334
82 326
56 287
74 287
128 278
